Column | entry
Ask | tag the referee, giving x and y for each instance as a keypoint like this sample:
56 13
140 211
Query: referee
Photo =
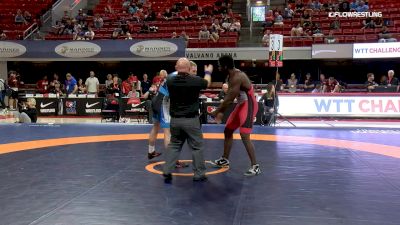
184 91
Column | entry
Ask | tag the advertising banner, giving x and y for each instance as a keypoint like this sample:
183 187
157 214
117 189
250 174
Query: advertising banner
340 106
129 49
376 50
332 51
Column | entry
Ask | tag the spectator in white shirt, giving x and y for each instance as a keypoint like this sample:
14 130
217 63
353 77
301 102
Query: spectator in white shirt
92 84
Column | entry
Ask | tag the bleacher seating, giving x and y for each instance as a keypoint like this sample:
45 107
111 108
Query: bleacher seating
165 28
350 30
9 9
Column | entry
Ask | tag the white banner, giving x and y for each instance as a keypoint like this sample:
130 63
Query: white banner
341 106
376 50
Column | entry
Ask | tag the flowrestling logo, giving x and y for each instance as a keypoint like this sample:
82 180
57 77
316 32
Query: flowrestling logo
355 14
10 49
78 49
154 48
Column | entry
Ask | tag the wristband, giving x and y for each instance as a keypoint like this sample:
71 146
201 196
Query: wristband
207 73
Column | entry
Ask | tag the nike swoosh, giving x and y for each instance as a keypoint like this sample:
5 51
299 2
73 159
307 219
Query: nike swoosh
315 52
91 105
45 105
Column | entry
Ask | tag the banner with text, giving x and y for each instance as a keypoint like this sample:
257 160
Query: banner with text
341 106
376 50
128 49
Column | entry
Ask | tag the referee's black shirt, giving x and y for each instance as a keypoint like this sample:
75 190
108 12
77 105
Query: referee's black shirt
184 91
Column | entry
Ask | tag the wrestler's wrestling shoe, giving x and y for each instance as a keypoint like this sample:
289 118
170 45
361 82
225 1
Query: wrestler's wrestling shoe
153 155
221 162
253 171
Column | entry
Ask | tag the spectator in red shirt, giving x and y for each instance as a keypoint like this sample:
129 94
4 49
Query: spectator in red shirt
186 14
13 83
43 85
331 85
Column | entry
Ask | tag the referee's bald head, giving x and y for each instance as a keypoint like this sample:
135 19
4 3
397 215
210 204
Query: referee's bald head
183 65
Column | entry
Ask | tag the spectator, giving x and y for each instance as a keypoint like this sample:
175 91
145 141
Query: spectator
368 23
322 79
14 84
174 35
132 9
115 87
92 84
43 85
3 35
71 86
269 19
299 8
385 35
81 17
317 32
57 89
108 9
362 7
278 20
344 6
27 16
227 24
68 28
185 37
98 21
278 82
297 31
204 34
117 32
235 26
317 89
308 83
28 112
353 5
383 80
288 13
378 22
144 29
186 14
391 80
316 5
145 84
109 80
81 87
370 84
335 25
330 39
167 15
2 93
89 35
265 39
292 83
150 16
305 18
66 17
19 18
331 86
128 36
201 14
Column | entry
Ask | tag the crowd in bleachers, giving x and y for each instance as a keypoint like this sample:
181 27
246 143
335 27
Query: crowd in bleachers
307 22
197 22
16 16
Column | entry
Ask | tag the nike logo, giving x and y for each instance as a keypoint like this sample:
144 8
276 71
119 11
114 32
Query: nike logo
316 52
45 105
91 105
